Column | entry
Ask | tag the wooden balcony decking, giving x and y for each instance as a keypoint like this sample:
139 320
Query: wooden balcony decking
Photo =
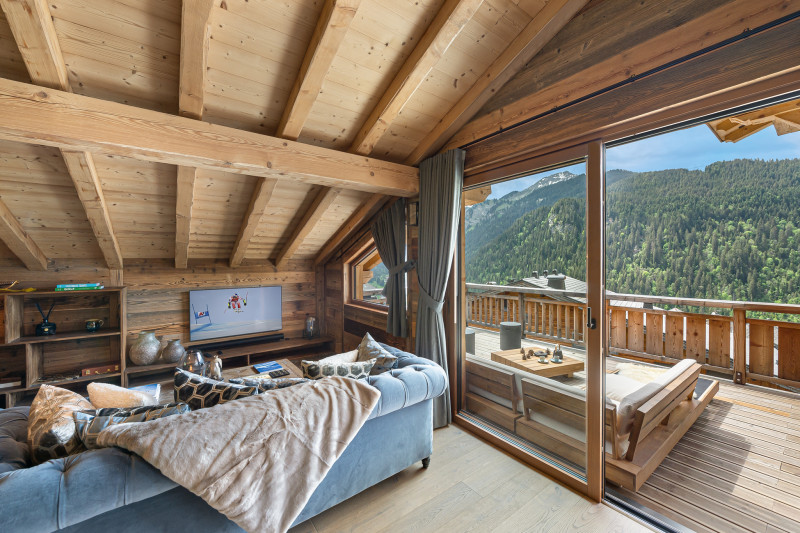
738 467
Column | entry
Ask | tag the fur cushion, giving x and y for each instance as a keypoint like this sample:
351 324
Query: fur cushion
51 427
319 370
370 349
200 392
89 424
103 395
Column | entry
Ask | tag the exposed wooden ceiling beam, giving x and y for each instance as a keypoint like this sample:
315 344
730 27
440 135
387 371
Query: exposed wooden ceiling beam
322 201
543 27
477 196
195 25
183 214
19 242
446 26
87 184
255 211
366 210
333 23
34 115
35 34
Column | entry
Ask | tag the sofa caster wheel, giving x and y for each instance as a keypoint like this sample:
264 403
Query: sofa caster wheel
426 462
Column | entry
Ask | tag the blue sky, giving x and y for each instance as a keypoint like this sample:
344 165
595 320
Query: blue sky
692 148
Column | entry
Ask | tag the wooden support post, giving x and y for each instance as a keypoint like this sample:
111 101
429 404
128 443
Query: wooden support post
740 346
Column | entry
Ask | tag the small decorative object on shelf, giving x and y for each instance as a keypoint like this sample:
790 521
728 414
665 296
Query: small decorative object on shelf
97 370
46 327
50 378
9 382
558 354
311 330
215 368
144 350
173 352
194 362
93 324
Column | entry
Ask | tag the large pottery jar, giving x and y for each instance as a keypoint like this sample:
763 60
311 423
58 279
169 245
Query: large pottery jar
173 352
144 350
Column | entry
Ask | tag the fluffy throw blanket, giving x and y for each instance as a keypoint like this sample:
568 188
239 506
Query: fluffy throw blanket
258 459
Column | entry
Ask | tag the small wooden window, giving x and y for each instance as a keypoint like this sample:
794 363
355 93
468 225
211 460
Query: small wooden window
369 278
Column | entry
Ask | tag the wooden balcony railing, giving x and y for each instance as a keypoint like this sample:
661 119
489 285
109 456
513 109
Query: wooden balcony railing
748 349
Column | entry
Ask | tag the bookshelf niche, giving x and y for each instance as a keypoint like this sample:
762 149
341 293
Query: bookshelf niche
31 359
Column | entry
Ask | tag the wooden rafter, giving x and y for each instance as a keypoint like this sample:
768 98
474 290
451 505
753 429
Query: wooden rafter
255 211
450 20
32 115
784 117
477 196
183 214
35 34
322 201
87 184
366 210
195 26
543 27
333 23
19 242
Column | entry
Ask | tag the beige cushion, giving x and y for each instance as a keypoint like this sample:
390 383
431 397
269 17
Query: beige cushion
346 357
618 387
104 395
51 428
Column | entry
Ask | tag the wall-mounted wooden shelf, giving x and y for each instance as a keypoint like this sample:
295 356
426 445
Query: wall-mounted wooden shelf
68 336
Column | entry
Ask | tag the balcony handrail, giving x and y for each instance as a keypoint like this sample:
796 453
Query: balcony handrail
791 309
525 290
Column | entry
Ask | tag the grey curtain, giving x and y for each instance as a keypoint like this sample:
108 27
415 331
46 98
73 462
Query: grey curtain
441 179
389 232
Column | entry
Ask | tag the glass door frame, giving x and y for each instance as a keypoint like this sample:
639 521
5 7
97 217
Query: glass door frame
593 154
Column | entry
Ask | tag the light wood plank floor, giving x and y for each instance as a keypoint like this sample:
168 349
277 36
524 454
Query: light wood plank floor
470 486
737 469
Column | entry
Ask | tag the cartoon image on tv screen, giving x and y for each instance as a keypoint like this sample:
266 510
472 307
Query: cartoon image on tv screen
230 312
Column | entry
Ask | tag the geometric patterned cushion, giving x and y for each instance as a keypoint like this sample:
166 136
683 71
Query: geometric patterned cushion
265 384
320 369
200 392
51 428
90 423
369 349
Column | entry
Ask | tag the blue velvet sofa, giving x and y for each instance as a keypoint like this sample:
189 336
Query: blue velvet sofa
113 490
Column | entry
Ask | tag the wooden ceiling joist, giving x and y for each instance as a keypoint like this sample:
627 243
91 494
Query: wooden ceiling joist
333 23
450 20
30 114
187 176
35 34
364 212
19 242
84 176
322 201
785 118
195 24
542 28
252 218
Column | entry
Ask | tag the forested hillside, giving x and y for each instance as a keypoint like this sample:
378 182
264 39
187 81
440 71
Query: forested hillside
731 231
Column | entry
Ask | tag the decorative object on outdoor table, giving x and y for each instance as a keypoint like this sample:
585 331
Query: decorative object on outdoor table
173 351
145 349
215 368
46 327
194 362
542 356
557 355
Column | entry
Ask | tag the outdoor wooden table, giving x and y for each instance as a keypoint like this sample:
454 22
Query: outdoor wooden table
513 358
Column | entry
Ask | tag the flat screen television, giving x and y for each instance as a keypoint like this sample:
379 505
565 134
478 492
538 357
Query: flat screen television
219 313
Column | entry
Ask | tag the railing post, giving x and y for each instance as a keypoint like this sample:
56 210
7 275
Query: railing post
521 307
739 346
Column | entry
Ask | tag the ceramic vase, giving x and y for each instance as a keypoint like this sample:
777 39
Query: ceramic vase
144 350
173 352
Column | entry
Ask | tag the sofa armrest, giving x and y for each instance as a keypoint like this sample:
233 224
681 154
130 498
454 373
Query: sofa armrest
67 491
414 380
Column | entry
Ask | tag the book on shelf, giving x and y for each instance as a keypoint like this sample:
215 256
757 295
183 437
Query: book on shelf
9 382
77 285
66 289
269 366
151 388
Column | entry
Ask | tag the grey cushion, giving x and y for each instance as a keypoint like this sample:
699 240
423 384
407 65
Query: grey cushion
14 449
370 349
89 424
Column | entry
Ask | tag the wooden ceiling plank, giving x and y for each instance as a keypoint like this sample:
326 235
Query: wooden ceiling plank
542 28
195 26
364 212
32 115
332 26
322 201
19 242
84 176
255 211
446 26
33 29
187 176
